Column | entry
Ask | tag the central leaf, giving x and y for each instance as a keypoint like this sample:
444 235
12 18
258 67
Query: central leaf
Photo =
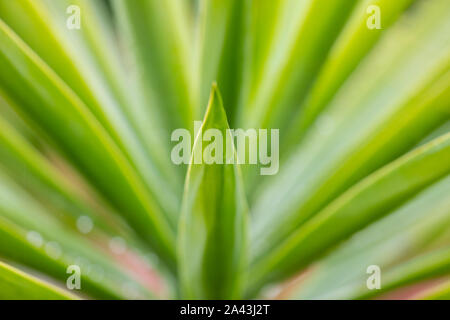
212 230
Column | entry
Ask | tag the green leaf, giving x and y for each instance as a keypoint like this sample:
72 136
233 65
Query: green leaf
441 292
261 30
366 202
10 116
86 117
418 225
60 195
81 137
92 69
34 171
17 285
426 266
156 35
39 240
212 231
288 74
221 46
380 114
352 46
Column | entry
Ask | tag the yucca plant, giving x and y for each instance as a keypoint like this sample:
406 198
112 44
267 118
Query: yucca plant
92 90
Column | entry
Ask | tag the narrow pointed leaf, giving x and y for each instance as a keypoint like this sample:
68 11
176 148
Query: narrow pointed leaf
39 240
17 285
416 226
34 170
91 68
426 266
358 207
355 41
212 233
441 292
81 137
221 44
363 130
156 33
288 77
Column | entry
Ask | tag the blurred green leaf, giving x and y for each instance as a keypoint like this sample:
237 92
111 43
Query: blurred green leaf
92 70
262 25
86 123
361 205
289 74
18 285
156 33
407 229
30 167
221 43
362 130
442 292
40 241
426 266
353 44
83 140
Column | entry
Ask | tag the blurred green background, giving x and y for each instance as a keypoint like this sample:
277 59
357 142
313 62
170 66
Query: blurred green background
359 89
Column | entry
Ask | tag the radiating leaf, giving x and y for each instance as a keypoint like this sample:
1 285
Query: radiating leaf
30 167
401 106
442 292
361 205
410 228
156 33
353 44
16 284
83 140
262 26
40 241
221 45
426 266
92 69
289 74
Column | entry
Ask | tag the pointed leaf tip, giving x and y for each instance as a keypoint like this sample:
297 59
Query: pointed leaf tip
212 230
215 115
